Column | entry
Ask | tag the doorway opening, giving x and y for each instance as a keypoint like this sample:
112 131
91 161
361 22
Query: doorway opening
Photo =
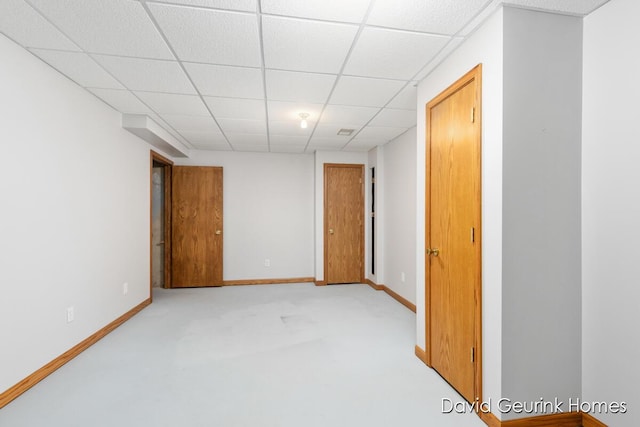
160 220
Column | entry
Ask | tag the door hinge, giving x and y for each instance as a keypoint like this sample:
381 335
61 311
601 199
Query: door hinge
473 354
473 114
360 180
373 214
373 180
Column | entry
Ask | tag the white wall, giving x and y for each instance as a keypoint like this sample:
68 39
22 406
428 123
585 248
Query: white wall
75 214
484 47
322 157
268 213
399 180
610 209
541 273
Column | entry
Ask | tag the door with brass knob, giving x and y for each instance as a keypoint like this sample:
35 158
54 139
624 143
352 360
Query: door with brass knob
197 226
452 261
344 223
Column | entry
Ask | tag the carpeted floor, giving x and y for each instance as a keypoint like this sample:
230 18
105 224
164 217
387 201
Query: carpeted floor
262 356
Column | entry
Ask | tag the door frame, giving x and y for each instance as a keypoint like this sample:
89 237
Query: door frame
167 165
473 74
324 214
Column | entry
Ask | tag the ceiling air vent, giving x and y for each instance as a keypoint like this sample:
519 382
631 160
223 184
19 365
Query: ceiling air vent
345 132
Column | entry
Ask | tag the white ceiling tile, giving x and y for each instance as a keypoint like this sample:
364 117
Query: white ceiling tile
360 91
116 27
344 114
288 140
212 36
150 75
234 108
79 67
287 148
165 103
302 45
358 148
439 17
295 86
290 111
212 146
328 10
259 148
380 133
577 7
192 123
200 138
243 5
239 139
395 118
239 126
320 143
121 100
392 54
233 82
290 128
23 24
407 99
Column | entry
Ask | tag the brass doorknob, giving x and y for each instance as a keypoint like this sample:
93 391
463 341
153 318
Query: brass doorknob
435 251
218 232
331 231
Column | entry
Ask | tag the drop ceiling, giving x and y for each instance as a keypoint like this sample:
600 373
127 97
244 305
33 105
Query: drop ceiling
236 74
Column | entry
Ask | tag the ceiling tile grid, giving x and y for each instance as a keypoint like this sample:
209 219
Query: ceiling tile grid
148 75
115 27
210 36
79 67
305 45
236 74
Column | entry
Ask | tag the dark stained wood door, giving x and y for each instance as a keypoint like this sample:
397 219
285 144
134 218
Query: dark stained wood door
196 226
344 223
453 235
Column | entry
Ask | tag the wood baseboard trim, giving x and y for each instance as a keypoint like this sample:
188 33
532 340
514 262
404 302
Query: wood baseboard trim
421 354
589 420
489 419
411 306
13 392
268 281
320 282
566 419
374 285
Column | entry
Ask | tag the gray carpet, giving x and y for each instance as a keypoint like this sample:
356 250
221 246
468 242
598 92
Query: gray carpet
277 355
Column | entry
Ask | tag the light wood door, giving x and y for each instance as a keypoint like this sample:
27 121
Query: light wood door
196 226
453 235
344 223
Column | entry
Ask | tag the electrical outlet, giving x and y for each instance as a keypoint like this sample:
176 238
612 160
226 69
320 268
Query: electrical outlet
125 288
70 314
267 262
402 277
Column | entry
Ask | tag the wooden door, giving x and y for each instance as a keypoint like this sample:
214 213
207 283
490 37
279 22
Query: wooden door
196 226
343 223
453 235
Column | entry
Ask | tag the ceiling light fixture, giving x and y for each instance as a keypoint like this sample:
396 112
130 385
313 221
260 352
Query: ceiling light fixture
303 121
